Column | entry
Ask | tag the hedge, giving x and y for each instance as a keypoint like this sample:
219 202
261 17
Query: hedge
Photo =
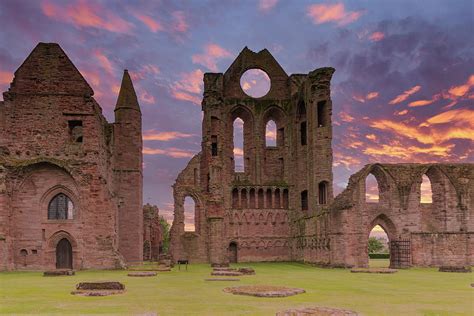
379 255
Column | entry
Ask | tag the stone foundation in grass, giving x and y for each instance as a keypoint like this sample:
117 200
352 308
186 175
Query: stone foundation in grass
374 270
59 272
246 271
461 269
142 274
99 288
264 290
222 279
317 311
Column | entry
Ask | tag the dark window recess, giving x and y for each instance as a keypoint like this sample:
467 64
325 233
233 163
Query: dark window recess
303 133
75 131
304 200
60 207
34 251
323 193
214 145
322 113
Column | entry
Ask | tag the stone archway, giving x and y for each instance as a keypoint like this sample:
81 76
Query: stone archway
64 254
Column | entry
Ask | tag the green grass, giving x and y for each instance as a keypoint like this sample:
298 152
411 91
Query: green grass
408 292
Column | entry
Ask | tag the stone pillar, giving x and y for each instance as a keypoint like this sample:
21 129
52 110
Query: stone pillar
217 254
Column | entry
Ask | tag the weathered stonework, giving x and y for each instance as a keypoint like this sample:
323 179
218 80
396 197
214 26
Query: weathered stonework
54 141
282 208
152 233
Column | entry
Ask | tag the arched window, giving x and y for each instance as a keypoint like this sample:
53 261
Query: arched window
323 193
271 134
322 113
426 194
252 198
61 207
189 214
371 189
268 199
243 198
239 164
286 203
277 203
260 198
235 198
304 200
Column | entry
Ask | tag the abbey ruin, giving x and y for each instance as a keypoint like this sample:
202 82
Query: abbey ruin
71 183
281 206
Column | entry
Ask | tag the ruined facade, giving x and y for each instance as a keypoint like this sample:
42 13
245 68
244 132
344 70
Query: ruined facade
152 233
281 207
70 182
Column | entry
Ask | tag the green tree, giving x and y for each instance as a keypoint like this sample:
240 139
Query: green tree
165 228
375 245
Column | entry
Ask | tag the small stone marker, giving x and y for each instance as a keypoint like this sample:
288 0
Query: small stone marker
374 270
459 269
317 311
59 272
99 288
142 274
264 290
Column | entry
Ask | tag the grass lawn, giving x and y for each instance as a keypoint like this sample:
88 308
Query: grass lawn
408 292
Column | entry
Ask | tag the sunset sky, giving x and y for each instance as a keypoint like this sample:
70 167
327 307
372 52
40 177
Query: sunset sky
403 90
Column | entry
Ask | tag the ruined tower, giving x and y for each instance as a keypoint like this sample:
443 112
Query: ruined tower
70 182
251 215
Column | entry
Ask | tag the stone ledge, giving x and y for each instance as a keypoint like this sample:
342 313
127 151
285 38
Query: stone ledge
374 270
458 269
142 274
264 291
59 272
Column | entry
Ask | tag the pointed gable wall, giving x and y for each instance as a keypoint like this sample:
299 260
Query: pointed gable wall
48 70
263 60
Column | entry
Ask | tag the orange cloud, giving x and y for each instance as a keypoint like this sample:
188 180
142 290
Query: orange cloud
325 13
372 95
402 112
84 14
212 53
408 152
420 103
371 137
238 151
377 36
189 87
6 77
346 117
459 91
164 136
170 152
402 97
152 24
266 5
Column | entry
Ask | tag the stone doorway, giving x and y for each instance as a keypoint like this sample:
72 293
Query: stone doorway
232 252
64 254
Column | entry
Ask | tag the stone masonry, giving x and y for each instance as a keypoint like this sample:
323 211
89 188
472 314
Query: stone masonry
281 207
58 153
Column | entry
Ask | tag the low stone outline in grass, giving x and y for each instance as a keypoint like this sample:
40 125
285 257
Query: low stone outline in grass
317 311
374 270
142 274
103 288
264 290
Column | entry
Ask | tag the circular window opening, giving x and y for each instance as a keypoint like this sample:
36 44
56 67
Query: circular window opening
255 83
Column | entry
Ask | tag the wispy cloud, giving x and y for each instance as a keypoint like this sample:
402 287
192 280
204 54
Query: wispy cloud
376 36
180 24
104 62
165 136
170 152
212 54
83 13
189 87
150 22
402 97
324 13
266 5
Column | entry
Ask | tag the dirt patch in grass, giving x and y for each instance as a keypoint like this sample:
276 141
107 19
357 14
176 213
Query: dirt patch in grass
142 274
374 270
317 311
264 290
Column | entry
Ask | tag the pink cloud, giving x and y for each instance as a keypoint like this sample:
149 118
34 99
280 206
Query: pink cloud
85 14
6 77
104 62
325 13
170 152
147 98
377 36
212 53
189 87
266 5
179 24
152 24
164 136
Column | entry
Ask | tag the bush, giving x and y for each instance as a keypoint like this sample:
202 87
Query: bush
379 255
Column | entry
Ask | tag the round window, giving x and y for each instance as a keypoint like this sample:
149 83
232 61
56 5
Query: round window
255 83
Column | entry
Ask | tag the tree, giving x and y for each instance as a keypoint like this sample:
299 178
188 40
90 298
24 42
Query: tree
375 245
165 229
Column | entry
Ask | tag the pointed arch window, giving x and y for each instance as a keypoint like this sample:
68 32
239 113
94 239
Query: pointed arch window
426 193
238 149
60 207
271 134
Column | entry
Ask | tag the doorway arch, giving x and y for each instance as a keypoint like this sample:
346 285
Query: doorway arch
232 252
64 254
